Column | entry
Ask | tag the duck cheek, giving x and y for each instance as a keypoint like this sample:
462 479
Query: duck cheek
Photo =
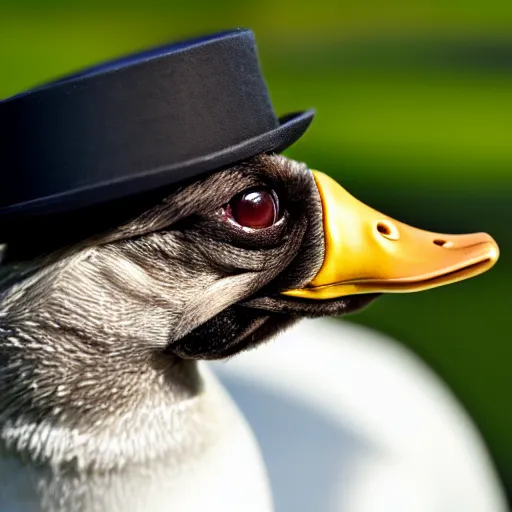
223 335
306 308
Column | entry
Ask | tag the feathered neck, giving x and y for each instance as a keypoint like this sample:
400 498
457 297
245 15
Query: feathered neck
68 397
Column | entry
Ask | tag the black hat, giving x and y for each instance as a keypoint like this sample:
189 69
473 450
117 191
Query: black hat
136 124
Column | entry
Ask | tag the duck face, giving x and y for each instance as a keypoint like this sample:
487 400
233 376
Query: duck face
228 260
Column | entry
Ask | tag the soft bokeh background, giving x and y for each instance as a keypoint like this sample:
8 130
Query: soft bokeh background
414 104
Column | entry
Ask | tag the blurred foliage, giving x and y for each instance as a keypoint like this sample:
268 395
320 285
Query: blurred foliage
414 103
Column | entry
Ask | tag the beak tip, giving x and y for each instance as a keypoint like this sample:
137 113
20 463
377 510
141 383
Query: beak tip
494 253
493 249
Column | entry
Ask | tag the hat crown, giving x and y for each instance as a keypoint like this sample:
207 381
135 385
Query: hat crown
132 126
134 115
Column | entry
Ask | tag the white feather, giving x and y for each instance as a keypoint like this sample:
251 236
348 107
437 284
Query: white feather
349 420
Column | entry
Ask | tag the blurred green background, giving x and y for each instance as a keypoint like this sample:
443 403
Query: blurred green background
414 103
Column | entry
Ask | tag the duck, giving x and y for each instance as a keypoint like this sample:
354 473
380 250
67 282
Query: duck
107 401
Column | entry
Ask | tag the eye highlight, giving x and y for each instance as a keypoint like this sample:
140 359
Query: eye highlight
254 208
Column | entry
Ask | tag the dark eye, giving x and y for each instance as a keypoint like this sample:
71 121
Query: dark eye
254 208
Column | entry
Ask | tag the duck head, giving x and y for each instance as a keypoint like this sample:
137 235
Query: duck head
225 261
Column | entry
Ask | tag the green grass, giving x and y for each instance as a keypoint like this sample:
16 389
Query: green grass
420 121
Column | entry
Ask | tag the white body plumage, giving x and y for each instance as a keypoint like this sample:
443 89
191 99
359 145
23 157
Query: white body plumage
378 432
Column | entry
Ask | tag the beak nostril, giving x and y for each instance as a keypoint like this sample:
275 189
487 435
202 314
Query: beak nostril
441 243
388 230
383 229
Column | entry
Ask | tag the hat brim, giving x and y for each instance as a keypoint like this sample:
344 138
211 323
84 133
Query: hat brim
291 128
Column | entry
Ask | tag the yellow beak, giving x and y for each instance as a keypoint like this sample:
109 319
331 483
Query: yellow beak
368 252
